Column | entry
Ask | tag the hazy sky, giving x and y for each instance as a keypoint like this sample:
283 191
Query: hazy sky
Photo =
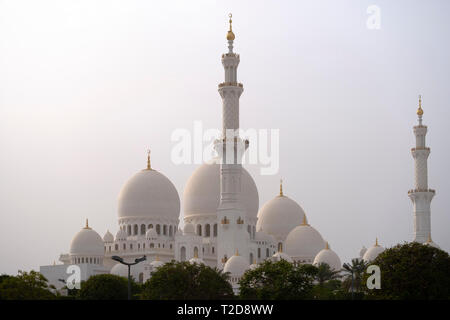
86 87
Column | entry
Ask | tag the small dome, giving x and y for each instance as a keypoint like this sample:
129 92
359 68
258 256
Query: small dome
373 252
329 257
149 193
156 263
120 270
236 266
121 235
189 228
108 237
278 256
202 191
279 216
151 234
87 242
304 242
362 251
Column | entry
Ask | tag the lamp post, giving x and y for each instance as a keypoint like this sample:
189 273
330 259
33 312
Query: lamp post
129 264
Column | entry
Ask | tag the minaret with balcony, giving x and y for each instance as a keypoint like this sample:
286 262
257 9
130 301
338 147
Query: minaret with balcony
232 234
421 195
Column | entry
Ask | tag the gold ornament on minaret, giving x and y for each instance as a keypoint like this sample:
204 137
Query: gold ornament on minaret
230 34
420 110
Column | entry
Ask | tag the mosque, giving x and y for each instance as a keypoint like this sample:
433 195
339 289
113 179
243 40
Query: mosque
223 224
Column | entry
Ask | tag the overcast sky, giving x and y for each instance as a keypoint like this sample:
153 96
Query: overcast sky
86 87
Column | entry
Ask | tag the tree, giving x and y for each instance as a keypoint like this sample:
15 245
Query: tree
412 271
325 273
25 286
104 287
279 280
355 272
185 281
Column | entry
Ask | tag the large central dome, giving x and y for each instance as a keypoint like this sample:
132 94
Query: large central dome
202 192
149 194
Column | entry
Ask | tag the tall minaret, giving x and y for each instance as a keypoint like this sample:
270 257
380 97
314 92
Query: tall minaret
232 235
421 196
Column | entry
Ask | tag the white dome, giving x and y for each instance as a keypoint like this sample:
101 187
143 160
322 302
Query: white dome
151 234
373 252
362 251
120 270
304 243
87 242
329 257
189 228
108 237
156 263
202 192
121 235
236 266
279 216
149 193
278 256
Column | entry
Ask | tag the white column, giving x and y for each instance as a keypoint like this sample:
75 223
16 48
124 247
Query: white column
421 195
232 232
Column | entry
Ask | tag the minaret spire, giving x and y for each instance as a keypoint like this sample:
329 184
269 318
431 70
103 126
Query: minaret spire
281 187
231 147
421 195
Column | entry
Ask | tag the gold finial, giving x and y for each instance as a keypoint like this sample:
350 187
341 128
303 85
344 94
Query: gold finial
230 34
327 246
149 165
376 242
195 254
157 258
254 261
429 239
87 224
237 252
420 110
281 187
304 223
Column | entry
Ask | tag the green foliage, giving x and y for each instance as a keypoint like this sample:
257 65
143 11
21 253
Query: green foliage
104 287
357 267
185 281
279 280
25 286
412 271
324 274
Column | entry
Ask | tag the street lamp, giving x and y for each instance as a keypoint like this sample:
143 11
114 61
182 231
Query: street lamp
129 264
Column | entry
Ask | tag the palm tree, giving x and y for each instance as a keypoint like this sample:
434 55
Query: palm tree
354 271
325 273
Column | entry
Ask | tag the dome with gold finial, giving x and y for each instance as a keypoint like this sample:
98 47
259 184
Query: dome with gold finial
87 242
279 216
304 242
329 257
373 251
230 34
149 194
236 265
